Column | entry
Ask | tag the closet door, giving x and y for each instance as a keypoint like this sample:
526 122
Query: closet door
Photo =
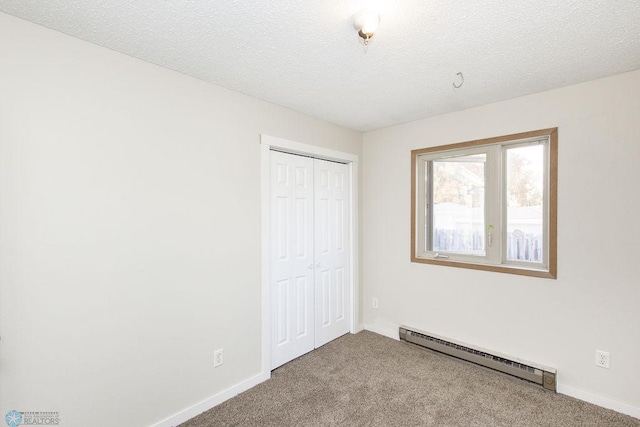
292 263
331 251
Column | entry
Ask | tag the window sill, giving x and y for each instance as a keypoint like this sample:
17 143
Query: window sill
521 271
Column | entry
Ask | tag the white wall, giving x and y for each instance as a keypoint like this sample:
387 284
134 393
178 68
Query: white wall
129 230
594 303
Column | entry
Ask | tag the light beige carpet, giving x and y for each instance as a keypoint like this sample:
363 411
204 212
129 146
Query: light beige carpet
370 380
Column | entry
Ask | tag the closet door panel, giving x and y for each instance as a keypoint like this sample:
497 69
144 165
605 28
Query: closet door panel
292 262
332 252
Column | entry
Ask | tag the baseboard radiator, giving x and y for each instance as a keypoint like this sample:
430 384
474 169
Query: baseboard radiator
536 373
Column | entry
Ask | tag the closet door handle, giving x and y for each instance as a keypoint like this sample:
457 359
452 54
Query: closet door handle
318 265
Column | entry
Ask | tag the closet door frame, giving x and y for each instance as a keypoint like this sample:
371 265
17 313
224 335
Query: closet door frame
269 143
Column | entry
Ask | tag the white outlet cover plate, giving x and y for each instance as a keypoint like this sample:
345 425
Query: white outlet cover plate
218 358
602 359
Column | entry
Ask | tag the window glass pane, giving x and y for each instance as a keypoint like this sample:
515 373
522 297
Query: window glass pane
458 204
525 168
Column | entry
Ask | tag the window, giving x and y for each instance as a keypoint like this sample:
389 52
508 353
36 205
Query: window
487 204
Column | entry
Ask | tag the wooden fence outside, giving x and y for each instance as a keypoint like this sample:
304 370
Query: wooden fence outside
520 246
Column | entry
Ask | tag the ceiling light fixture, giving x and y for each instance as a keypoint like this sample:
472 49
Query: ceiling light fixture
366 22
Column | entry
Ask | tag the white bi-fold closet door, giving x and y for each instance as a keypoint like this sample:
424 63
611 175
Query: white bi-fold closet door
310 255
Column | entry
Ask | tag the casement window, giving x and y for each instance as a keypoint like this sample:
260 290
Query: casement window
488 204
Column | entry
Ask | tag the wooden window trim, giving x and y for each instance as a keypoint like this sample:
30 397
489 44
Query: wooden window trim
552 272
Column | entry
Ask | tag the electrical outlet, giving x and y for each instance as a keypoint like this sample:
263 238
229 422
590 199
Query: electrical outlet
602 359
218 358
374 303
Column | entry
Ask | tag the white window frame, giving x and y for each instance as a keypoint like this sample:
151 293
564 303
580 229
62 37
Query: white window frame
495 258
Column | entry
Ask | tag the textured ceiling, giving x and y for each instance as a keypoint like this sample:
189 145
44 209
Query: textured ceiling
305 55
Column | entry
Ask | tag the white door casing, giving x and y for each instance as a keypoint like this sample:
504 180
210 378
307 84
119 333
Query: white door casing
268 145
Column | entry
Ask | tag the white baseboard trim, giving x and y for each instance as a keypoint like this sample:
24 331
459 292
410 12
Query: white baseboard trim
389 332
215 400
359 328
596 399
